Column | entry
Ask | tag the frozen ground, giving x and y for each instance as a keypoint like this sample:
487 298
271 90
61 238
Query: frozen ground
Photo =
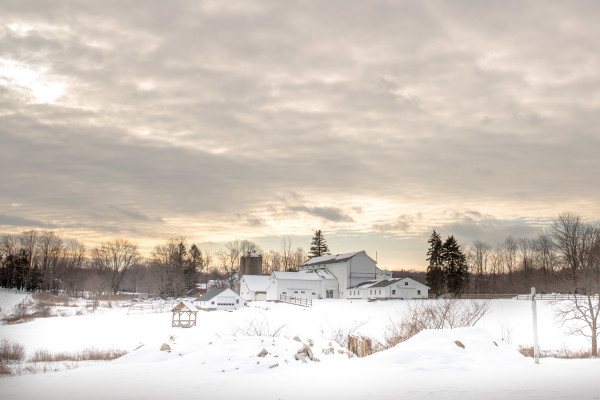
217 360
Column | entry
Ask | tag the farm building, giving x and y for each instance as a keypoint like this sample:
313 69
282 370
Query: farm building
309 284
254 287
405 288
350 269
220 299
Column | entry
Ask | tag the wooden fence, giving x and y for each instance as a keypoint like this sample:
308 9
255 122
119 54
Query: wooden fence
296 300
539 296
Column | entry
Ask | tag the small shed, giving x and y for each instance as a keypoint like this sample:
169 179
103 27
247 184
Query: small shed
184 315
220 299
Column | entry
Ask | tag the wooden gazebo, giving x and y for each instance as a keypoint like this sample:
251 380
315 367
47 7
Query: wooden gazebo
184 315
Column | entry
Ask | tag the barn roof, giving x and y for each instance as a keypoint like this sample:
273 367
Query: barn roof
334 258
311 275
257 283
210 294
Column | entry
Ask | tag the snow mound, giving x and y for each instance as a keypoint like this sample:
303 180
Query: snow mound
249 354
450 348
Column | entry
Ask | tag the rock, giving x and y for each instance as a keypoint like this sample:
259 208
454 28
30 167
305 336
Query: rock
165 347
274 365
341 351
300 357
263 353
311 343
297 339
315 359
328 351
350 354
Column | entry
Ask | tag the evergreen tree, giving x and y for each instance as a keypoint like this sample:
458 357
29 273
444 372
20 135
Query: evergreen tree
435 272
318 246
454 262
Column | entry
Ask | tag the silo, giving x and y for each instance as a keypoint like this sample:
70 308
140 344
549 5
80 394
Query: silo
253 264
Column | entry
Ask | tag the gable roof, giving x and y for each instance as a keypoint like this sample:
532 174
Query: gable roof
311 275
386 283
257 283
182 305
330 259
210 294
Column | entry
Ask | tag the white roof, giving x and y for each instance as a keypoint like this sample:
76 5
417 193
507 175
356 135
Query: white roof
332 258
312 275
257 283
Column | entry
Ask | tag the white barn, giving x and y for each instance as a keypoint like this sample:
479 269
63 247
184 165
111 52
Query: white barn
350 269
405 288
254 287
220 299
310 284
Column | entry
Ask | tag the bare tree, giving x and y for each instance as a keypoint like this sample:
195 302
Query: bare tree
113 258
478 258
580 314
509 249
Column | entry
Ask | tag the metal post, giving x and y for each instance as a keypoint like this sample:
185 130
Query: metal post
536 349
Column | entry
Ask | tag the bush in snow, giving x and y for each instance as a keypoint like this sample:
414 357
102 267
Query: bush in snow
434 314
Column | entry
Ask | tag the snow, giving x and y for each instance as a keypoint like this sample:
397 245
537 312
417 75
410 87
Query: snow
257 283
331 258
219 358
311 275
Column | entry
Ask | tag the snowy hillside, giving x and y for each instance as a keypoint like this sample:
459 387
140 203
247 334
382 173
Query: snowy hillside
222 358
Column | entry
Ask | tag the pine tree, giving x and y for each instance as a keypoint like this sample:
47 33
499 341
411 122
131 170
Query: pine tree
318 246
455 269
435 273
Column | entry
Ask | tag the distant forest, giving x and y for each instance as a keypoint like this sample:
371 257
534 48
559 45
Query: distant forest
565 258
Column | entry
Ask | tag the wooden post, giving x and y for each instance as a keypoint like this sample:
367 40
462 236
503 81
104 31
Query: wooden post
536 349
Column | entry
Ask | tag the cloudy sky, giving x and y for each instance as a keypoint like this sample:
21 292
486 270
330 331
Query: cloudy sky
374 121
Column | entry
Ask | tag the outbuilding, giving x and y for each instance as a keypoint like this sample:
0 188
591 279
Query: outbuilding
404 288
220 299
254 287
309 284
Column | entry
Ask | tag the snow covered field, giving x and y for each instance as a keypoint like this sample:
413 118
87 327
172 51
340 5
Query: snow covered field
219 360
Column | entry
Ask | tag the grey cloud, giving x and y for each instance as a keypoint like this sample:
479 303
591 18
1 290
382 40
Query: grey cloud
13 220
403 223
246 101
329 213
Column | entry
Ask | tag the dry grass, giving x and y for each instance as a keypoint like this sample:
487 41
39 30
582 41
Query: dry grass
90 354
45 299
562 353
20 318
257 328
11 351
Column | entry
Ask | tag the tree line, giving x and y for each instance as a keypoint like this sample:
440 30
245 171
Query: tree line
41 260
565 258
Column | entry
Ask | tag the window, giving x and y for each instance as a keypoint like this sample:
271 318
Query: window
379 291
283 292
418 292
393 291
212 303
329 294
405 283
237 301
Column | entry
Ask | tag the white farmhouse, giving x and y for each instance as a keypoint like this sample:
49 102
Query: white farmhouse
350 269
220 299
405 288
309 284
254 287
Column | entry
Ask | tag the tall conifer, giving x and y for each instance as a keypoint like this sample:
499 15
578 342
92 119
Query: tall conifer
435 273
318 246
455 269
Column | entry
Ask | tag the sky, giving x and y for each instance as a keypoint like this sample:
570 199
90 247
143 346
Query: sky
374 121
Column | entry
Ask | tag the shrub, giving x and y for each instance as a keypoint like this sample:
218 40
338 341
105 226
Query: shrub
11 351
434 314
257 328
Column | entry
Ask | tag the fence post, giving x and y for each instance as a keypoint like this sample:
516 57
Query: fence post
536 349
